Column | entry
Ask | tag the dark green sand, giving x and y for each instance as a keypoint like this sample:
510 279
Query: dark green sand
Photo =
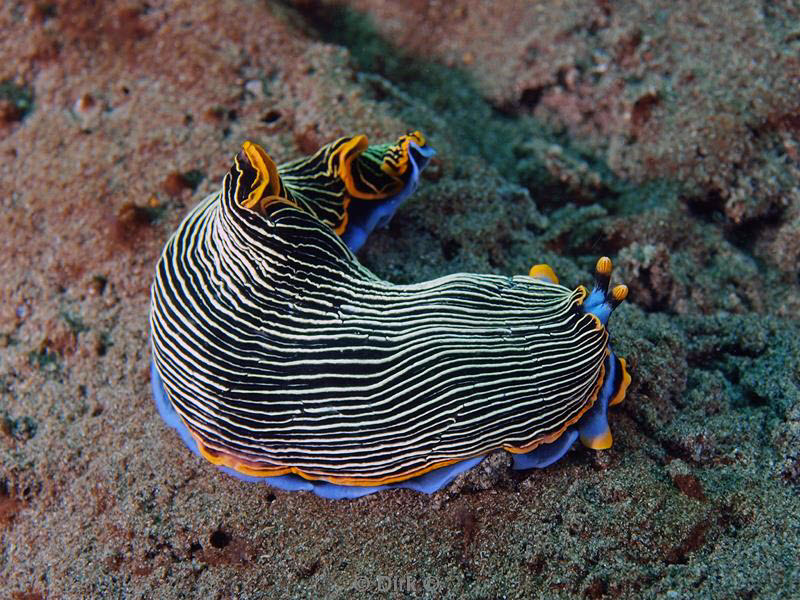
117 119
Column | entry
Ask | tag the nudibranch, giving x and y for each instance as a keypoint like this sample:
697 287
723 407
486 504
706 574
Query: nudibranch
280 358
351 186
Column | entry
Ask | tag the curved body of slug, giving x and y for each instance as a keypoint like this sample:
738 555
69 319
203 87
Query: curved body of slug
278 356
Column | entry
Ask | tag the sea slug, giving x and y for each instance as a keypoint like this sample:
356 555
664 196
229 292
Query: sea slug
280 358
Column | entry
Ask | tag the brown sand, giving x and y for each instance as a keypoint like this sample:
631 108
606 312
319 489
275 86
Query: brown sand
116 118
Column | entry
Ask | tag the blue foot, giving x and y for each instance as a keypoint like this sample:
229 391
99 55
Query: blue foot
546 454
365 215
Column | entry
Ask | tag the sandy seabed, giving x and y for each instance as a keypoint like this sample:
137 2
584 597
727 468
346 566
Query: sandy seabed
665 137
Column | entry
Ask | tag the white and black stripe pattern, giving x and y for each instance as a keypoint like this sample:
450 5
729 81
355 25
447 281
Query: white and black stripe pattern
315 185
279 349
